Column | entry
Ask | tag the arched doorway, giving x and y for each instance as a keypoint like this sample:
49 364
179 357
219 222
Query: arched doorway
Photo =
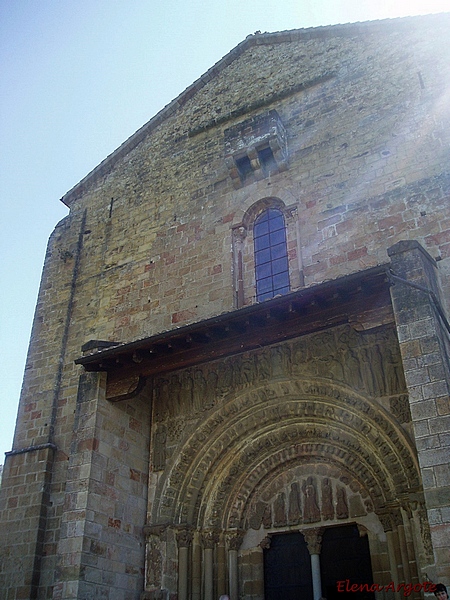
273 453
344 561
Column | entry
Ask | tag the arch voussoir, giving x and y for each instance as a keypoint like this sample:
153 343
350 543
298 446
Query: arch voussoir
255 434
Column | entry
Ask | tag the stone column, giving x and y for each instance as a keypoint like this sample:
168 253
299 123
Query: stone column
313 539
196 567
424 338
221 567
234 540
184 540
393 549
239 234
210 539
404 553
412 542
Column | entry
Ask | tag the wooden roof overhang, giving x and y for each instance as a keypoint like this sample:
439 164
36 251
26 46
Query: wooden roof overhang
361 299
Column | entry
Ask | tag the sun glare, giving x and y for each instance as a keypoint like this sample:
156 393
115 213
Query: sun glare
415 7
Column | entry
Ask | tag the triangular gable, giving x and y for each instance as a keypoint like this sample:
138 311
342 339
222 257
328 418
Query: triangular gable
256 39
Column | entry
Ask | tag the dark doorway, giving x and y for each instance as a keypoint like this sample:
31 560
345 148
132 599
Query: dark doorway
287 568
345 555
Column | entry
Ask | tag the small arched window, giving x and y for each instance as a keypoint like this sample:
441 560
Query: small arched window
271 258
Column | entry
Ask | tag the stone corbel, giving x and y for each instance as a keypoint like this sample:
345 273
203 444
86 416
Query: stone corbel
265 543
362 530
124 389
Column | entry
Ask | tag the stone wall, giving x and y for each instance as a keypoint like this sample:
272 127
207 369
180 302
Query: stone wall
149 244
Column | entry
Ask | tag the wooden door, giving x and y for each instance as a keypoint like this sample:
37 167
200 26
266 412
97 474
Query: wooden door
345 556
287 568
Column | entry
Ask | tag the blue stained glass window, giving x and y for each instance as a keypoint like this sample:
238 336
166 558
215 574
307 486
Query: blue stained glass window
271 259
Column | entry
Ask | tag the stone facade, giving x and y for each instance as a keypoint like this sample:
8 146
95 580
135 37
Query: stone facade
171 427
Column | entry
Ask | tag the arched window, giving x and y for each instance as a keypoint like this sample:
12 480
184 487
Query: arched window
271 258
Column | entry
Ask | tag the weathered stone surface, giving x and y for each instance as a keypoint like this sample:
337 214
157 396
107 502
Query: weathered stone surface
346 131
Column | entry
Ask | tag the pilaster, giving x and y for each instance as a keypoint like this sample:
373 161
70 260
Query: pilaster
101 547
424 338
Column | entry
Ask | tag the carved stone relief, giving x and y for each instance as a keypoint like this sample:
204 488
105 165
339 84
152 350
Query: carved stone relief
368 362
234 539
295 508
321 439
313 499
315 389
153 562
311 511
313 538
159 448
399 406
210 539
279 511
184 538
327 500
425 531
341 504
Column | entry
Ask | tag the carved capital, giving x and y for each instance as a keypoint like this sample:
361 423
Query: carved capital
313 538
386 521
397 519
391 519
210 539
234 539
184 538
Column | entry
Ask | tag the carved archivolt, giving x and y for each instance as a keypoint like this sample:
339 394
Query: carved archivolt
310 431
270 428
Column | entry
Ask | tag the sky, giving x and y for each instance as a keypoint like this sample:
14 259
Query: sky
78 77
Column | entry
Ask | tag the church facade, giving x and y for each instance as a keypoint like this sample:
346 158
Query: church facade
238 376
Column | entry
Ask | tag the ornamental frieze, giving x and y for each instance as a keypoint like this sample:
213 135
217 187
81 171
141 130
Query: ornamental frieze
366 362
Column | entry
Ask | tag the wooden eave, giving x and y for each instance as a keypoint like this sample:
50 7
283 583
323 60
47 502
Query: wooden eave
358 299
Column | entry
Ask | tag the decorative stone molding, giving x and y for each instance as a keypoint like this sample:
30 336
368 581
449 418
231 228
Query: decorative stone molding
321 417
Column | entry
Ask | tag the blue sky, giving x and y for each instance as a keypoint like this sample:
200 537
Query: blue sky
78 78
